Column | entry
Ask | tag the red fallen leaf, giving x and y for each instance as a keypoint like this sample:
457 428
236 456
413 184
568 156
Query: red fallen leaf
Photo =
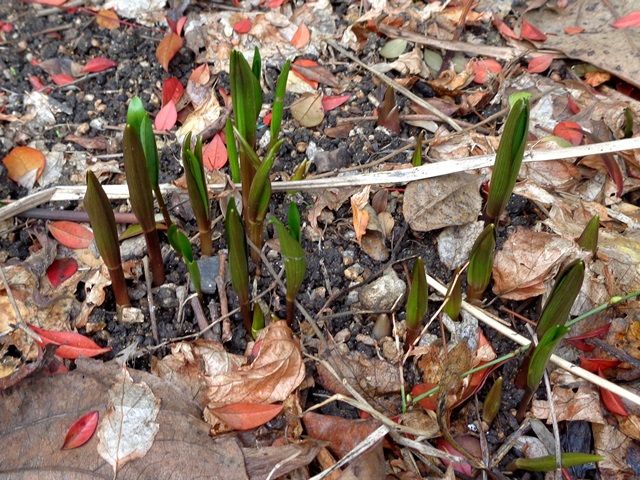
226 97
71 234
71 345
330 102
62 79
267 119
305 63
572 105
273 3
60 270
176 27
36 83
245 416
81 431
342 433
540 63
301 38
613 169
573 30
578 341
504 29
570 131
464 468
167 117
598 364
529 32
172 89
6 27
167 49
214 154
243 26
612 401
313 73
53 3
22 161
98 64
628 21
483 68
200 75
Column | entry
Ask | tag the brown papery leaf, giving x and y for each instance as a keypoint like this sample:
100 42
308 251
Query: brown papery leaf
307 110
343 434
276 371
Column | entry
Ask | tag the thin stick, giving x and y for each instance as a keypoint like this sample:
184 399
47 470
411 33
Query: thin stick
152 307
226 333
19 320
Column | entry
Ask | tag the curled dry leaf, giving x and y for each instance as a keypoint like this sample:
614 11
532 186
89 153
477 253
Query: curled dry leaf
172 89
532 33
504 29
628 21
307 110
167 49
275 372
62 79
331 102
81 431
359 202
71 345
243 26
573 30
24 165
484 69
343 434
71 234
129 425
570 131
245 416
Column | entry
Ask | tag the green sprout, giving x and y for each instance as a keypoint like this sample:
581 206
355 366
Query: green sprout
141 198
417 301
258 322
103 223
588 239
139 120
238 261
180 243
293 221
548 463
508 159
295 264
453 297
416 159
481 263
197 188
491 405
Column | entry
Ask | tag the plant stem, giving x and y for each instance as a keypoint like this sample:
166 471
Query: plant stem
162 205
206 244
255 235
155 257
119 286
612 301
291 310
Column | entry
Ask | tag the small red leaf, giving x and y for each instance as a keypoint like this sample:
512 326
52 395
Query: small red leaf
62 79
167 49
572 105
23 161
613 169
570 131
274 3
245 416
598 364
612 401
305 63
529 32
573 30
214 154
71 234
71 345
331 102
60 270
482 69
301 38
81 431
540 63
172 89
628 21
267 118
167 117
36 83
243 26
464 467
578 341
98 64
504 29
176 27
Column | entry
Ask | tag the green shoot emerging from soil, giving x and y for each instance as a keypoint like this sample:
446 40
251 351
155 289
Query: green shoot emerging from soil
180 243
197 188
417 301
103 223
588 239
238 261
481 263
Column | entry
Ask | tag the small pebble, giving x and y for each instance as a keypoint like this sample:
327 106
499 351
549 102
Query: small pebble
348 257
352 297
132 315
365 339
354 272
382 327
301 147
342 336
209 267
389 350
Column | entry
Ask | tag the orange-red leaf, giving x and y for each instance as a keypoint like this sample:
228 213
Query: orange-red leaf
598 364
570 131
267 118
167 49
274 3
98 64
301 38
572 105
243 26
23 161
108 19
172 89
62 79
504 29
578 341
612 401
81 431
53 3
60 270
214 154
71 234
178 25
540 63
330 102
532 33
71 345
305 63
628 21
245 416
482 69
167 117
573 30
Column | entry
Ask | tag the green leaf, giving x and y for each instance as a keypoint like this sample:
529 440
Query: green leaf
232 152
196 183
180 243
393 48
278 102
135 167
258 321
481 262
293 221
515 96
135 114
256 64
454 298
417 301
564 292
548 463
194 272
491 405
541 354
588 239
628 123
238 261
260 190
508 159
148 140
416 159
246 96
103 222
293 256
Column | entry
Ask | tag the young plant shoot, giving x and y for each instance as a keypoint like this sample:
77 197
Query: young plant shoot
238 261
588 239
481 263
453 298
416 158
180 242
508 159
141 199
103 223
197 188
295 265
417 301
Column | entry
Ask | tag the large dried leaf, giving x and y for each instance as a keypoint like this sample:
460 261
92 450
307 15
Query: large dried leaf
570 405
343 434
276 371
307 110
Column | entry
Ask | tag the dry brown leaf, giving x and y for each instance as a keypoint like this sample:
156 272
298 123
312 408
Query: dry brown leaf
107 19
167 48
24 165
343 434
307 110
527 260
583 404
359 202
276 371
614 446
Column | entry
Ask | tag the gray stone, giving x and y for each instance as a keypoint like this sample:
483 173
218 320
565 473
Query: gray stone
384 293
209 268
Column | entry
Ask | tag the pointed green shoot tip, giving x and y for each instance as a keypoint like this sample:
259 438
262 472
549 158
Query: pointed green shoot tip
417 300
542 353
416 159
481 263
293 221
137 176
588 239
548 462
295 264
